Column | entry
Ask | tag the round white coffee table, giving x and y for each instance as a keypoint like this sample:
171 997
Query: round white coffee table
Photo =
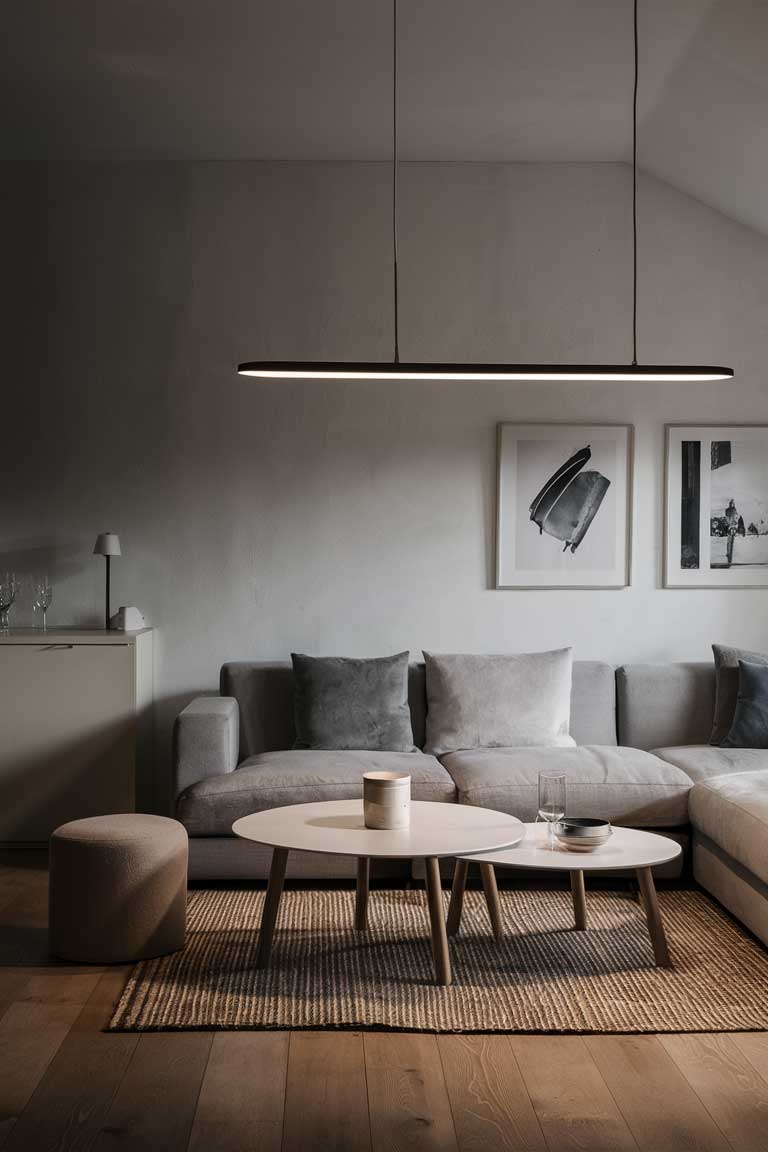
336 827
627 848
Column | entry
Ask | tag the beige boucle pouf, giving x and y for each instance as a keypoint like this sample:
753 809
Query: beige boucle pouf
118 888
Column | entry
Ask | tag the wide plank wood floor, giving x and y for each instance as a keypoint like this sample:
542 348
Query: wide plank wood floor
67 1085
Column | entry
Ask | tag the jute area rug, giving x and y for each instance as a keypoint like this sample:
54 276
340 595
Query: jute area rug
542 977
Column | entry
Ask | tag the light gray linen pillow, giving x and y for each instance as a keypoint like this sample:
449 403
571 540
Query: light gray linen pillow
727 686
520 701
342 704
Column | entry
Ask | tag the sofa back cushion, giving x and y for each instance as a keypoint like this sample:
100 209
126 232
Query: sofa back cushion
500 701
665 705
344 703
264 693
593 703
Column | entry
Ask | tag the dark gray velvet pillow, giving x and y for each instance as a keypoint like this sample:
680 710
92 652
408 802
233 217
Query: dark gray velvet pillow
345 704
727 686
750 720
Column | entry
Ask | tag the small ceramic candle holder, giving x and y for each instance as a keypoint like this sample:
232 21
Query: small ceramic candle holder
387 799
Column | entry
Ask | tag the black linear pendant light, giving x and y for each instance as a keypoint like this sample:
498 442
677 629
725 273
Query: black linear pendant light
402 370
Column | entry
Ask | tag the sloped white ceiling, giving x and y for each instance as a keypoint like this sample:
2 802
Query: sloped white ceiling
485 80
706 132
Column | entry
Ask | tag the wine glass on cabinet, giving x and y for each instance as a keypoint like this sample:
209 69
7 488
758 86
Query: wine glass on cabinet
42 594
9 587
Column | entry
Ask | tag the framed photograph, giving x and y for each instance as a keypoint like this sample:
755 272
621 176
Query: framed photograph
716 521
563 505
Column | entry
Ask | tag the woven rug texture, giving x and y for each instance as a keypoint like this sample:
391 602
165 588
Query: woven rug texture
543 976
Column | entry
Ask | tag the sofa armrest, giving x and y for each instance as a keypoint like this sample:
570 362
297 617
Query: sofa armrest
206 740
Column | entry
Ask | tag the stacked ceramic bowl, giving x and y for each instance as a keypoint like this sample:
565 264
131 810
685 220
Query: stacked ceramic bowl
581 834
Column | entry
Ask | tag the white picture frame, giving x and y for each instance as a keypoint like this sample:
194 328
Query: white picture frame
716 506
563 505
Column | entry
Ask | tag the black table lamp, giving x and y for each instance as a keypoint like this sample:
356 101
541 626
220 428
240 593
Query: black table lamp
107 545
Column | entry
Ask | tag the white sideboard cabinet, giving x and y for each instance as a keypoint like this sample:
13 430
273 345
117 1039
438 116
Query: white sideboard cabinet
76 726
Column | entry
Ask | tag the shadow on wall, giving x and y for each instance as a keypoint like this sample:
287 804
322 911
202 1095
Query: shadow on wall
58 559
30 558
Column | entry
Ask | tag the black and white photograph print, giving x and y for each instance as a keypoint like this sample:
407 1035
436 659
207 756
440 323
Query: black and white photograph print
563 506
717 507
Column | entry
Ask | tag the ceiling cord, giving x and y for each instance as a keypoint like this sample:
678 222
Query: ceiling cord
394 176
634 200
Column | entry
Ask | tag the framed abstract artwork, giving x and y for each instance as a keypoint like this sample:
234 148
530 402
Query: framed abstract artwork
716 522
563 517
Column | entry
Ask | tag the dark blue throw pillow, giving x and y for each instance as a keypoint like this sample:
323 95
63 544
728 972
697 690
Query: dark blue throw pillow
750 720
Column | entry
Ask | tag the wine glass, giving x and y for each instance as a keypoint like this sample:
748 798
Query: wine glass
9 586
42 594
551 800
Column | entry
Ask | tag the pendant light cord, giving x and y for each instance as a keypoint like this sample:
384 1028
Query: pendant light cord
634 199
394 176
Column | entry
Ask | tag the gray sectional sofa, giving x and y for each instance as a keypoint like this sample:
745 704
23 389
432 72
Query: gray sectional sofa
642 760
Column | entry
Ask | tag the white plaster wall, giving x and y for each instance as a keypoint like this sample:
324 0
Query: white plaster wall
348 518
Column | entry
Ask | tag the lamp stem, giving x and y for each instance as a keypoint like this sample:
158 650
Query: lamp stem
106 605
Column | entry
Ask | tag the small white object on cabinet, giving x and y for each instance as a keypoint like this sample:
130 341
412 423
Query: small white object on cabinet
127 620
76 734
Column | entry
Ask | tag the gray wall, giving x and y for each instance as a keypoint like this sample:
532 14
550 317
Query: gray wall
349 517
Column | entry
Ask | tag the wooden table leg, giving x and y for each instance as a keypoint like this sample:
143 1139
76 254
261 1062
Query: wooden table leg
488 873
457 896
579 899
271 905
440 952
361 893
653 916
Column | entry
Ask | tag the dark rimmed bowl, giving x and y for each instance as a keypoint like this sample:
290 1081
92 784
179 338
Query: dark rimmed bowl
582 833
582 826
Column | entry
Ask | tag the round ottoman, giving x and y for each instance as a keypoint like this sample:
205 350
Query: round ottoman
118 888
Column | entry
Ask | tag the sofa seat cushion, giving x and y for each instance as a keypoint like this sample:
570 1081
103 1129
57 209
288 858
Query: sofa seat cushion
623 785
733 812
275 779
703 761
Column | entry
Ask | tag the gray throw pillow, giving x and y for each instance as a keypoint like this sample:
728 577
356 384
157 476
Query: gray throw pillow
727 686
750 721
518 701
344 704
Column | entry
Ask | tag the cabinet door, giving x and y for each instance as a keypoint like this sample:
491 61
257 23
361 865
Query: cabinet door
67 737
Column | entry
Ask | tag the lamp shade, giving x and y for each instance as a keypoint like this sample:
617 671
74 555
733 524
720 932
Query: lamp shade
107 544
